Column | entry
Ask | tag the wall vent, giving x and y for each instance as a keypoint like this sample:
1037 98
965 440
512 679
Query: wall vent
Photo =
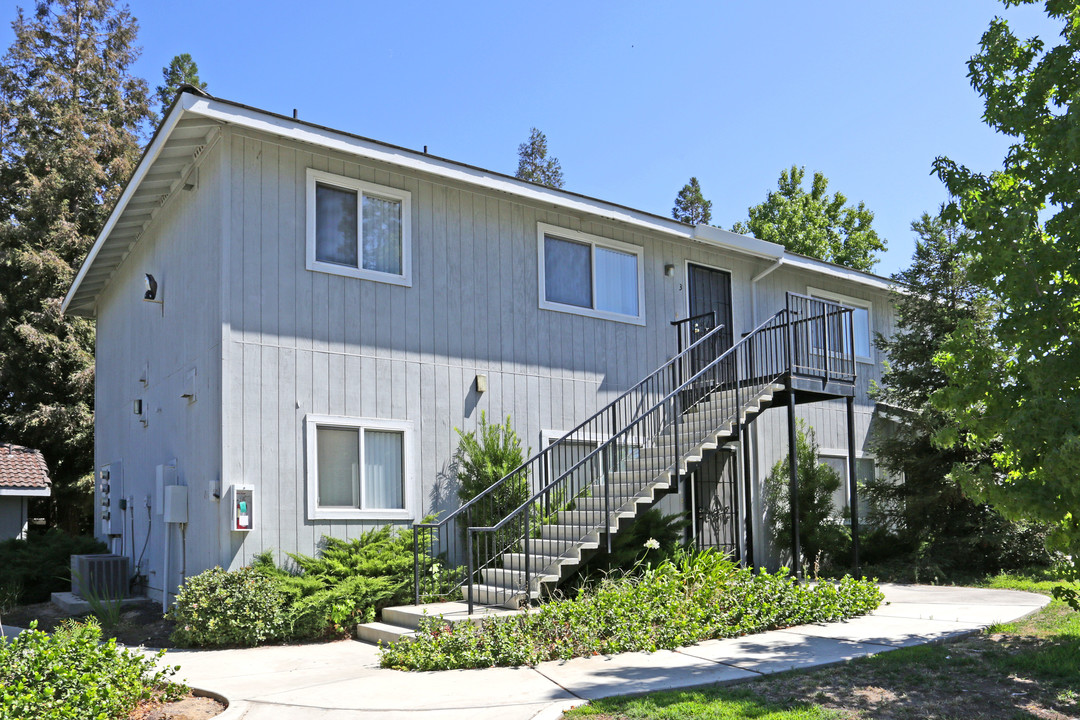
103 576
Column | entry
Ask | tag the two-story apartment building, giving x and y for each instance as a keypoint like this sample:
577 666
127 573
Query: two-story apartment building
293 320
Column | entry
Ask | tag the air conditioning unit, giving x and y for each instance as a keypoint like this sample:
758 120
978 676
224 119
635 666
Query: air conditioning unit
102 576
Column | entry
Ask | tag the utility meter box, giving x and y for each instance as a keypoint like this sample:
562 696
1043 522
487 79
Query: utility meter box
240 502
176 504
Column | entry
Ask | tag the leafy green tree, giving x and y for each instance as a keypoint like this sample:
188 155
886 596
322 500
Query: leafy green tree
182 70
691 206
534 164
927 516
71 116
814 223
822 534
1018 390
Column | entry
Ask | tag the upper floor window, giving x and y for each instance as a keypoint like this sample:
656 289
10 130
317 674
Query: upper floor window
358 229
860 318
588 275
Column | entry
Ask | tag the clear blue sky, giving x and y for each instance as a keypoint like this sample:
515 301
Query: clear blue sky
635 97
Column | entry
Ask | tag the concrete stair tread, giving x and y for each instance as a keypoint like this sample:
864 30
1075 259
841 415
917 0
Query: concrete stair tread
375 632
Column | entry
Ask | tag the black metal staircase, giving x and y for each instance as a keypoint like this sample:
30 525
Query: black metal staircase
498 550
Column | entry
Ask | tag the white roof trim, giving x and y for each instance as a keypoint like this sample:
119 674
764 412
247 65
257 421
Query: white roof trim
132 187
25 492
262 121
838 271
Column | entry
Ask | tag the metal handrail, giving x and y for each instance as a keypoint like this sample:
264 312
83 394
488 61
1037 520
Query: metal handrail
629 447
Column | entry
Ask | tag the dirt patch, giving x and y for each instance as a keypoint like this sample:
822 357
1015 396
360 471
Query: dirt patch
140 623
962 680
191 707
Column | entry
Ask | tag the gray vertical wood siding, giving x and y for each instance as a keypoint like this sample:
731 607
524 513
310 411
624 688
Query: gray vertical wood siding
274 342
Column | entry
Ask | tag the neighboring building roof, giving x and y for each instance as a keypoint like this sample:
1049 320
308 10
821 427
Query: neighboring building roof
23 469
194 122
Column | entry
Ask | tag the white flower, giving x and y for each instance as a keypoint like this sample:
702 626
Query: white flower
652 544
435 567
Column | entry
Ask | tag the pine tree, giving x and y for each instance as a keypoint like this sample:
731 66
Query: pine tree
691 206
71 116
182 70
533 163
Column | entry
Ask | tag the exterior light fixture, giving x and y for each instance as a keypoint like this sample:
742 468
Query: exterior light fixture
151 288
669 270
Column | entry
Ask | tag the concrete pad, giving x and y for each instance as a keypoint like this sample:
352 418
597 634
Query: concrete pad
896 632
465 690
259 711
923 594
631 673
777 651
982 614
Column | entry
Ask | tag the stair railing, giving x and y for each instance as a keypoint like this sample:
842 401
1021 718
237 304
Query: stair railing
443 549
584 482
652 448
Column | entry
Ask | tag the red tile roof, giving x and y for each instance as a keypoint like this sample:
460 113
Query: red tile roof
22 467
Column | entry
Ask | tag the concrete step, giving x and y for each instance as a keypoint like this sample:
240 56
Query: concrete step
545 564
572 533
377 632
503 577
498 596
409 616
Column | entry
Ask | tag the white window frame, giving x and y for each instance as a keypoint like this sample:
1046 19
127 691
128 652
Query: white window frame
410 490
845 482
559 233
851 302
361 188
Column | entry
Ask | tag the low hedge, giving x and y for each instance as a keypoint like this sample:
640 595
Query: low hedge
72 674
682 601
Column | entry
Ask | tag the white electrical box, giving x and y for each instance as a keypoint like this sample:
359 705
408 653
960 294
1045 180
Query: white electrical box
239 502
176 504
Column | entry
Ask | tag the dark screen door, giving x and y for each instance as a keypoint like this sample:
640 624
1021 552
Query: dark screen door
710 291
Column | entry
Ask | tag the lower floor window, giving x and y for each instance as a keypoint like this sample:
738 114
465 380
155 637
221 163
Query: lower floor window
357 468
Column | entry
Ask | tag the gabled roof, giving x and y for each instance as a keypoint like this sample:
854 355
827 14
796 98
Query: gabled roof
194 121
23 468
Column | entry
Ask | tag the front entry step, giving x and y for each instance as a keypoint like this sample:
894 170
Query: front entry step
402 621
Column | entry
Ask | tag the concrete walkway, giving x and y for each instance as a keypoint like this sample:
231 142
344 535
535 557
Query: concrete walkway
343 679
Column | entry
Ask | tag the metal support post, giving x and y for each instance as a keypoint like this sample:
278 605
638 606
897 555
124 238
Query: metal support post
793 486
853 484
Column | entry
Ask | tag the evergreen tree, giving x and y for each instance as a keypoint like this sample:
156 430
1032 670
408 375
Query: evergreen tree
534 164
814 223
927 514
691 206
822 535
182 70
71 115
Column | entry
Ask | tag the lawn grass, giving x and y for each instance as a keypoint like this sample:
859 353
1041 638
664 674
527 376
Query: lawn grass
1029 668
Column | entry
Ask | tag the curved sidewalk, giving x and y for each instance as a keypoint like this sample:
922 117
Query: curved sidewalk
341 680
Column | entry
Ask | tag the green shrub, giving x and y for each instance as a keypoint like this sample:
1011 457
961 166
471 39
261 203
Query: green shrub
217 608
34 568
72 674
823 537
348 582
692 597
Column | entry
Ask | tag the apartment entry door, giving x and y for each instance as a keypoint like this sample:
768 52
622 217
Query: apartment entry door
709 290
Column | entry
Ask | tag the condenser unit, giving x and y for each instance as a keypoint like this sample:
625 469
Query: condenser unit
102 576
